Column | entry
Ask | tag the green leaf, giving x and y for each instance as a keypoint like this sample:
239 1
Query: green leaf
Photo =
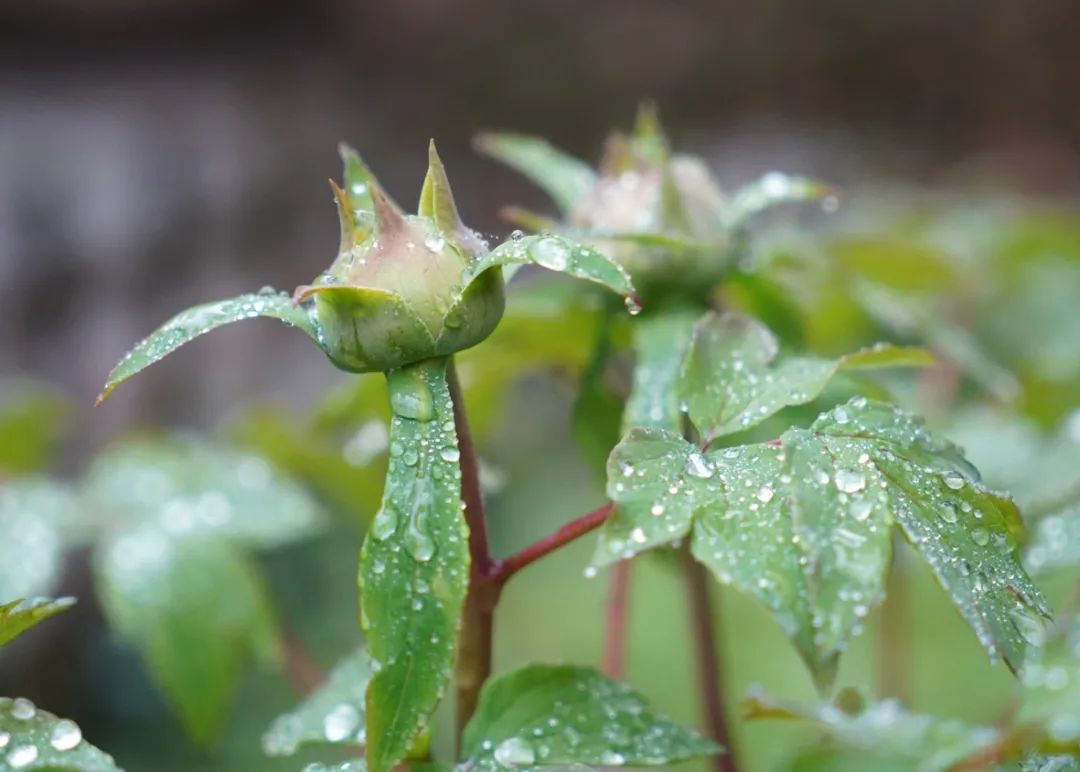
803 524
195 608
34 739
661 340
734 377
414 565
559 714
556 254
563 177
1054 543
352 765
36 518
1051 678
770 190
195 321
660 483
1038 762
886 732
193 487
18 616
332 715
597 412
33 419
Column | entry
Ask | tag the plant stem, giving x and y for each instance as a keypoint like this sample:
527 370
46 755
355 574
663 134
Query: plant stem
710 677
616 620
300 669
478 616
504 569
894 650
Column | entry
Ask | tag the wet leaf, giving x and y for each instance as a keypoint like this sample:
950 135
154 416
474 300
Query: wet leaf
734 377
561 176
18 616
559 254
193 487
545 715
661 341
195 321
1054 542
34 739
804 524
332 715
886 732
770 190
414 565
1038 762
36 519
197 611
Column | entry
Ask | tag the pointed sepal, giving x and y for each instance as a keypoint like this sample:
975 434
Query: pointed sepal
353 231
436 198
648 136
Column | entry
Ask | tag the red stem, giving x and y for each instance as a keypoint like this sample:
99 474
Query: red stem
711 684
501 571
616 621
471 494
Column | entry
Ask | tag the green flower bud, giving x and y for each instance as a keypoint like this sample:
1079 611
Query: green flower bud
401 289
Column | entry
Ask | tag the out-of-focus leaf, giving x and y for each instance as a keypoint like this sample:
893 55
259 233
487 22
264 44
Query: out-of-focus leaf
355 765
332 715
734 378
18 616
1038 762
803 524
661 341
772 189
545 715
32 422
892 737
1054 542
561 176
195 608
34 739
597 413
189 486
201 319
910 315
37 517
1051 678
558 254
414 565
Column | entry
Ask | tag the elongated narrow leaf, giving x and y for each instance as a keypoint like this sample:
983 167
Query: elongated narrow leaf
563 177
197 611
195 321
414 566
660 483
545 715
967 533
37 517
18 616
556 253
190 486
887 733
34 739
661 340
332 715
772 189
734 377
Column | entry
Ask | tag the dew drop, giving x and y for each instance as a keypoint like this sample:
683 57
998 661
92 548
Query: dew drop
409 396
23 709
22 756
850 481
764 494
516 235
980 536
954 481
434 242
384 524
638 535
5 738
65 735
948 512
551 253
340 723
514 751
698 466
450 454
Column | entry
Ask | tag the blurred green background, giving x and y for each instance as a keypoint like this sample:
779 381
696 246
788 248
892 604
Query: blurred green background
157 153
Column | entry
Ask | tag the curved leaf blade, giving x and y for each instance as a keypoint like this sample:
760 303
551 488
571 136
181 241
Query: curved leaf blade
544 715
734 376
201 319
36 739
967 533
18 616
661 341
196 609
559 254
332 715
563 177
770 190
414 565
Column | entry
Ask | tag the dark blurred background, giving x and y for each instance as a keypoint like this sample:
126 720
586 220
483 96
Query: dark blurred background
157 153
